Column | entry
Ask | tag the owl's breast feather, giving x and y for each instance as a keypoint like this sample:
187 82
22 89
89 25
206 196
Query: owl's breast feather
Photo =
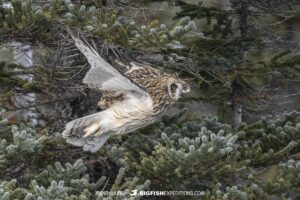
131 114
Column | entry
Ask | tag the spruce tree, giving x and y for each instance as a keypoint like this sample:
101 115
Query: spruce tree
238 57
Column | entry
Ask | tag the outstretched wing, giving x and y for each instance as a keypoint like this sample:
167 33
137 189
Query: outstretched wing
102 76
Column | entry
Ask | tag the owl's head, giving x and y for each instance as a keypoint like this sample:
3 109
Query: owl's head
177 87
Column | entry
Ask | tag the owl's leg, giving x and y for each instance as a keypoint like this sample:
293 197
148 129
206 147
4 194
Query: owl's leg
103 103
108 99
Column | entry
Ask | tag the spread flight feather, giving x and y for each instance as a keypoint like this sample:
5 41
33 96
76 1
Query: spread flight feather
102 75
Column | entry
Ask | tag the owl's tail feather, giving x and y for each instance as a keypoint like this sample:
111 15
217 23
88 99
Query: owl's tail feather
86 132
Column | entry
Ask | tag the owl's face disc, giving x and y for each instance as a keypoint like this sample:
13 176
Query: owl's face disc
177 87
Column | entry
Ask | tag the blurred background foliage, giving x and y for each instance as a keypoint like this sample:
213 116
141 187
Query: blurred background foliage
241 58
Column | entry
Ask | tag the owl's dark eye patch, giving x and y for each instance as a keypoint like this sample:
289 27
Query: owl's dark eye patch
174 86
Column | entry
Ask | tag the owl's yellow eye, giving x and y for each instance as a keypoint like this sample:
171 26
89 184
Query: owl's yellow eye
173 86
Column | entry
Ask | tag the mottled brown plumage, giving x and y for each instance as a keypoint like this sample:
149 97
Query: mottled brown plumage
130 101
108 99
152 80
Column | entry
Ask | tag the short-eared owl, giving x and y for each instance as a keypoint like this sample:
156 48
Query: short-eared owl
130 101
